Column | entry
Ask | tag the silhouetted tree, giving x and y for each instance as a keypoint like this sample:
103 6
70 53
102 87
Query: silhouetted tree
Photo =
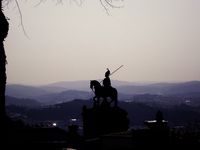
3 34
159 116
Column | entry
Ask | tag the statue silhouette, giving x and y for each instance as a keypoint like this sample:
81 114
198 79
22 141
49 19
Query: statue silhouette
105 91
102 92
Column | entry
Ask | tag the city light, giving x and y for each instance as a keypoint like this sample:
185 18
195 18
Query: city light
74 119
54 124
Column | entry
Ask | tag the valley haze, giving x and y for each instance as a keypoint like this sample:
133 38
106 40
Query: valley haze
69 90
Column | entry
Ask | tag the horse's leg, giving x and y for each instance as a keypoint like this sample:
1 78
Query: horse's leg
116 99
94 101
112 99
104 101
116 102
98 101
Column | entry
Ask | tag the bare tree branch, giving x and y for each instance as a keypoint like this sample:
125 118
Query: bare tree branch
59 2
109 2
21 19
78 2
39 3
6 2
106 9
106 4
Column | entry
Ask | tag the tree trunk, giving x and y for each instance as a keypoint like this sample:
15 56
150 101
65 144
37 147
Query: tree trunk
3 33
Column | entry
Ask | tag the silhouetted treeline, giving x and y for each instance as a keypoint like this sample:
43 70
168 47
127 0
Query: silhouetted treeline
137 112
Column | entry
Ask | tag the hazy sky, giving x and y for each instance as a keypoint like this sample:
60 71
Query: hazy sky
155 40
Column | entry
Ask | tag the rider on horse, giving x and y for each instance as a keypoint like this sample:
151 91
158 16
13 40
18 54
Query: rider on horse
105 91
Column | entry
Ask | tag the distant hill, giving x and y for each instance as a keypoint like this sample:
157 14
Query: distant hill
64 91
63 111
24 91
46 97
162 88
64 96
82 85
131 88
22 102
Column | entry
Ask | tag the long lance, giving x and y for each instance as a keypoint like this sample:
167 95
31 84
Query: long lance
114 71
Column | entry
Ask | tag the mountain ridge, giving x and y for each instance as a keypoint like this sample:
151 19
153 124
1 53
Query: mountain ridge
55 95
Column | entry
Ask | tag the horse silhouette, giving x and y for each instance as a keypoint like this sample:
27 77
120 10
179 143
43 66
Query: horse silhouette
102 92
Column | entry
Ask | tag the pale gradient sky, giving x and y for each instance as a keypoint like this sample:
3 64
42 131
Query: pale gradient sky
155 40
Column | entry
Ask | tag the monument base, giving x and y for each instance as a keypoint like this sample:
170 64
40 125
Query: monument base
102 120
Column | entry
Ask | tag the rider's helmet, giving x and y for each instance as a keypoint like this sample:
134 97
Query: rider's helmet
107 73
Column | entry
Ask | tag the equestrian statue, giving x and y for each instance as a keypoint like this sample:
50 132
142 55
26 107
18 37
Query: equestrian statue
105 92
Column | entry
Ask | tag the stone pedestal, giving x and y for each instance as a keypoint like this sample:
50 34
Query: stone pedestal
104 120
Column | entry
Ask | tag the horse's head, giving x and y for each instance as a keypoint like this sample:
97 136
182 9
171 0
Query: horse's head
91 84
94 83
